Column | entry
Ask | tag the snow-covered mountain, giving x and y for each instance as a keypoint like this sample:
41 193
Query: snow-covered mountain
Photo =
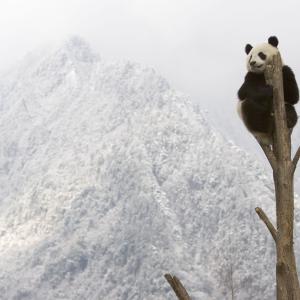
109 178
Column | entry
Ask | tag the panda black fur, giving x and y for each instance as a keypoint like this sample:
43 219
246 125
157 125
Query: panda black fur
256 97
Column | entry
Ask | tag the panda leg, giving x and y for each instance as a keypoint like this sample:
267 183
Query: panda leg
291 115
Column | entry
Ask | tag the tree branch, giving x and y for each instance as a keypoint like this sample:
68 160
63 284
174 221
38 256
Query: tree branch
295 159
269 154
178 288
268 223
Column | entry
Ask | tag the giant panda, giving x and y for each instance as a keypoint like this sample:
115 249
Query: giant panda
256 97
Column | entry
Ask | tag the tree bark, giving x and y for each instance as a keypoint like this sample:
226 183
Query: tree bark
283 174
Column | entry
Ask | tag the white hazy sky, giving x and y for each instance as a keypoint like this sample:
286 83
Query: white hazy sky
197 45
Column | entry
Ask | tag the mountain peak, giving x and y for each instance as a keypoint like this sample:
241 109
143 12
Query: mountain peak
79 49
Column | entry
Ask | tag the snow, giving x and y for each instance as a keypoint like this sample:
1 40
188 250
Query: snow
109 178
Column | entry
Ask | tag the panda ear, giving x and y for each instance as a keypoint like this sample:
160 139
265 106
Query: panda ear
248 48
273 40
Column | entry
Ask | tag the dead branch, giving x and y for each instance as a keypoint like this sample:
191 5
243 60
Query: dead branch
267 222
178 287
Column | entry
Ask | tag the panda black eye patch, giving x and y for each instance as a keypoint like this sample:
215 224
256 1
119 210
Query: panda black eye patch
262 55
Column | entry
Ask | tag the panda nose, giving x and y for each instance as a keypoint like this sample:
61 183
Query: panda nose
252 63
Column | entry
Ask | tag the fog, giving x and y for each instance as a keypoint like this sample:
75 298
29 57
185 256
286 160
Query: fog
197 45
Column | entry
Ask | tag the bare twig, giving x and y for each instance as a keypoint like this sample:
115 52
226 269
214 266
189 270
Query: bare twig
296 159
268 223
178 288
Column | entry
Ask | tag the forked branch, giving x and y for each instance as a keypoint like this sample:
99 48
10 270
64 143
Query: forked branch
269 154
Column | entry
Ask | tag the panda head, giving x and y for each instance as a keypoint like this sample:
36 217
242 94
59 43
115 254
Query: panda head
259 56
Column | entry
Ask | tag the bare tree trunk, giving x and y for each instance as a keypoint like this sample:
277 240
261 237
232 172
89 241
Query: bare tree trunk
283 173
279 156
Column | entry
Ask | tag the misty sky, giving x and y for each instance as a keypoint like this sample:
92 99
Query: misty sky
197 45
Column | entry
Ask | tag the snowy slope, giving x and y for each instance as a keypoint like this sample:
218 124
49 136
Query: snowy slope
109 179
